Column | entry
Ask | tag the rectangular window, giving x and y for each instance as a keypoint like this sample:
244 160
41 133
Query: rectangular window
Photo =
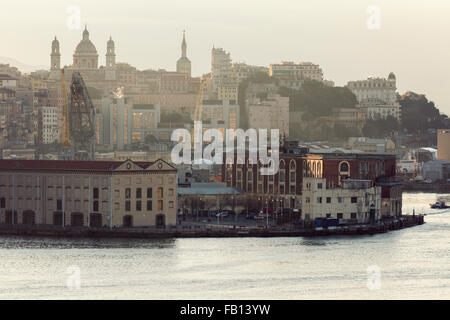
138 193
319 199
58 204
170 192
149 193
95 193
340 200
160 205
127 193
160 193
328 199
339 215
170 204
328 215
95 206
138 205
353 215
149 205
128 205
354 199
319 186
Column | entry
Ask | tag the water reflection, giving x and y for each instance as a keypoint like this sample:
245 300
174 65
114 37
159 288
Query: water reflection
15 242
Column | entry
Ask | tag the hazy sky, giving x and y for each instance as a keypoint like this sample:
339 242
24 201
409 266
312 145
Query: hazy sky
413 40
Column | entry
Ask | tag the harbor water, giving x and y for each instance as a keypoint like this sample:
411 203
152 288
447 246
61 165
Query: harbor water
412 263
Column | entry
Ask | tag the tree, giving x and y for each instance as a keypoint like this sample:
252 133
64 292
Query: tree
380 128
419 114
317 99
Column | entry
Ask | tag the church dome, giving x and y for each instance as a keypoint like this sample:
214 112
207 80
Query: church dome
85 47
391 76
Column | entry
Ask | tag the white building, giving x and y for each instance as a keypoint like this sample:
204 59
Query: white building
271 113
50 124
301 71
377 96
7 81
379 109
351 201
221 70
242 71
375 88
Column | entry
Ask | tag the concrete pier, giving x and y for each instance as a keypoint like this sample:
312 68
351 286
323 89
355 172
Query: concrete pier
81 232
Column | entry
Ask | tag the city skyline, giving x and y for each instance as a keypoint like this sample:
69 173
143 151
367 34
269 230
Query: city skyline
268 36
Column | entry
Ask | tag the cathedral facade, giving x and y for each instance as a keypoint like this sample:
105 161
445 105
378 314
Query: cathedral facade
113 75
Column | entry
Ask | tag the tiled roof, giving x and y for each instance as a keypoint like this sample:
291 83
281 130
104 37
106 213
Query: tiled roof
65 165
6 77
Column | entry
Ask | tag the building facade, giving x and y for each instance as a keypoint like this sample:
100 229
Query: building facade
121 123
377 96
88 193
443 144
284 189
271 113
350 202
50 129
184 64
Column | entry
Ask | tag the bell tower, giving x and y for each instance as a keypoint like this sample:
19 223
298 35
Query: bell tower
184 64
110 54
55 56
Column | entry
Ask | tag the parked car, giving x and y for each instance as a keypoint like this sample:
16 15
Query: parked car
222 214
249 214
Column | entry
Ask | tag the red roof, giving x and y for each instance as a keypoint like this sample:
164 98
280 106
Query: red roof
65 165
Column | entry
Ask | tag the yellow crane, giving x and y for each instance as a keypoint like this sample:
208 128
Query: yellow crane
65 132
198 109
199 103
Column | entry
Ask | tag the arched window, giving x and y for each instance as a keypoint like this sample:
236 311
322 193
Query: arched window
344 167
281 164
292 165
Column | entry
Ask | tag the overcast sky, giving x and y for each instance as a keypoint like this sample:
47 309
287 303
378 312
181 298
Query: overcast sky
413 40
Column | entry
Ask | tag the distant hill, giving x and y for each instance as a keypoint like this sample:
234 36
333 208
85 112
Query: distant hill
24 68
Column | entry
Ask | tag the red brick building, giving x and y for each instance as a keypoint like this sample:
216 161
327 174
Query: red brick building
284 189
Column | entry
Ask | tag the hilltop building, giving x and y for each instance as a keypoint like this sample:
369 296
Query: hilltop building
377 96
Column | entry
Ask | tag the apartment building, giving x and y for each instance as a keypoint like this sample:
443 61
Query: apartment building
270 113
351 201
